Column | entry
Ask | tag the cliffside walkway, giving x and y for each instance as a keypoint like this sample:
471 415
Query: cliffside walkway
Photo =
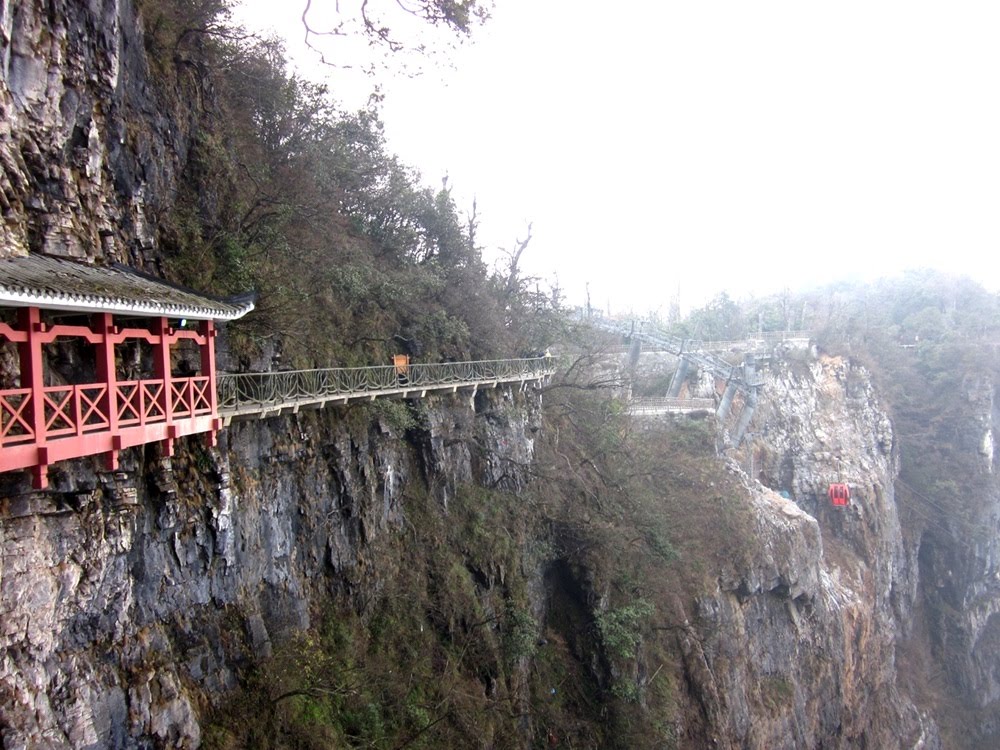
153 377
691 353
268 394
757 343
699 353
652 407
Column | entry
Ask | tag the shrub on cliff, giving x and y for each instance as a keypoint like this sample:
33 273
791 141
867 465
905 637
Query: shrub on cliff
353 257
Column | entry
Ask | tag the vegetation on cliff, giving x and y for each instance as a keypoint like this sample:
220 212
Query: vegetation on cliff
451 646
355 259
932 344
353 256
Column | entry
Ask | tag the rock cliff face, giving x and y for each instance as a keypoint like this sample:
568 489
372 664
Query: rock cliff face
131 600
799 650
952 538
851 627
88 159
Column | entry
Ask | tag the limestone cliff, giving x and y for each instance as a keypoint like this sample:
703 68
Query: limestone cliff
132 599
801 651
528 590
949 501
88 158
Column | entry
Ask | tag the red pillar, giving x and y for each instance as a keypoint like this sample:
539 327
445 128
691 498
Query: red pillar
103 324
33 377
161 359
207 329
208 359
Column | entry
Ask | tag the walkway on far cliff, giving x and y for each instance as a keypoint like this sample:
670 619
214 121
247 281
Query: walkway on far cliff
742 378
652 407
268 394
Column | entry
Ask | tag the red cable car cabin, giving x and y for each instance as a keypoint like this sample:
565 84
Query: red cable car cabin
839 494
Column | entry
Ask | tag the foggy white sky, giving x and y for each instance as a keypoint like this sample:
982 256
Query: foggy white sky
710 144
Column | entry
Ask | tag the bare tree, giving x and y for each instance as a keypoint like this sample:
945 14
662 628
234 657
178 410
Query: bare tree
383 23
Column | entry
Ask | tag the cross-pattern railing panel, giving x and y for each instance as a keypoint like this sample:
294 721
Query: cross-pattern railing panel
141 402
74 409
15 417
93 414
190 397
58 405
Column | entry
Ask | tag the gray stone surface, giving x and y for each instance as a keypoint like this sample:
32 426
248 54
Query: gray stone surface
118 617
129 601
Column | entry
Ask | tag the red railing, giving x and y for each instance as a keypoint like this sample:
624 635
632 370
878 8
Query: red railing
140 402
77 410
190 397
15 417
43 424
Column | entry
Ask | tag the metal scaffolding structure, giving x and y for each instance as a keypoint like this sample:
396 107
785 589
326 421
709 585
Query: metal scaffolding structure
691 353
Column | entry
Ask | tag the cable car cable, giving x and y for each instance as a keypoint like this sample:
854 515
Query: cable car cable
971 529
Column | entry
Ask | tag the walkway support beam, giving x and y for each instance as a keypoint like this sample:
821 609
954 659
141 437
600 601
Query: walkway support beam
680 375
634 350
727 400
748 408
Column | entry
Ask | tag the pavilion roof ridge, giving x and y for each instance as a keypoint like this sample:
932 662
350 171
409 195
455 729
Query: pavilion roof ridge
53 283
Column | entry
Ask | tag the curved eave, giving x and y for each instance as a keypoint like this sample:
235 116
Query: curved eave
118 306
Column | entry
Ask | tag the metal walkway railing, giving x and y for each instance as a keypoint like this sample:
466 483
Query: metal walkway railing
267 394
757 342
641 407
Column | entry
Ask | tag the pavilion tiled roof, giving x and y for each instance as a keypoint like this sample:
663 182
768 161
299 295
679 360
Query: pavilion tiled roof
61 284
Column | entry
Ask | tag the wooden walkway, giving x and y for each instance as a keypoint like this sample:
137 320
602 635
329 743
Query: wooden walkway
268 394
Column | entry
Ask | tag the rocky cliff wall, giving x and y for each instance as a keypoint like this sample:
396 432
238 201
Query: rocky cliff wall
133 600
951 500
136 600
88 156
797 647
873 625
